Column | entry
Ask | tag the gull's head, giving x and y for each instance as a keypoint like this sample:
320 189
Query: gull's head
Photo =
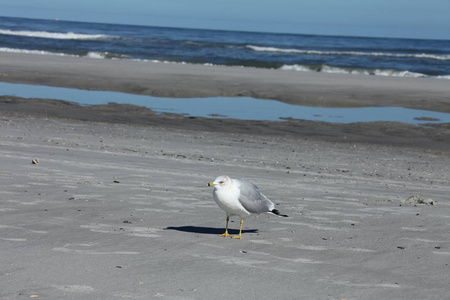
221 182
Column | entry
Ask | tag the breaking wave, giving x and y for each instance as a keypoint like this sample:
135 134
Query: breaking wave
354 71
57 35
295 67
90 54
349 53
10 50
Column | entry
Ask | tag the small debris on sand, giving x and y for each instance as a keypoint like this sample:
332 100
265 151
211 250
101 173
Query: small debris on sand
417 200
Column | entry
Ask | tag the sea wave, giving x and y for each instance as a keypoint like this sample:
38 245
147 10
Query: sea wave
57 35
301 68
355 71
41 52
103 55
90 54
348 53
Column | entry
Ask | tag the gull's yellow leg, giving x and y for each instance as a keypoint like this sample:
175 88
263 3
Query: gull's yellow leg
226 229
240 231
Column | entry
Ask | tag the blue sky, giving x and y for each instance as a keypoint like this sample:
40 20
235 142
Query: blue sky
381 18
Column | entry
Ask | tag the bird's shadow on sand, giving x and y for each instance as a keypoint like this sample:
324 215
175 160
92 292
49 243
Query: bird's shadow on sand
209 230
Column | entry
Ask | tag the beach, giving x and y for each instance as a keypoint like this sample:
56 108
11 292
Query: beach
111 201
190 80
185 81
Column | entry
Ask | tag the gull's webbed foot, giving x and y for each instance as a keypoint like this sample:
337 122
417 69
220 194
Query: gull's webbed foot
225 234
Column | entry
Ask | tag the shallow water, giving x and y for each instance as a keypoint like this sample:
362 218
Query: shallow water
244 108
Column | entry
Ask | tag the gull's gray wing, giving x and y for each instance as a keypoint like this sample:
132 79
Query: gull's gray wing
251 199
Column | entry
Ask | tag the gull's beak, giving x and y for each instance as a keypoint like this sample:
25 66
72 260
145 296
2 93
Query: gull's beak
211 184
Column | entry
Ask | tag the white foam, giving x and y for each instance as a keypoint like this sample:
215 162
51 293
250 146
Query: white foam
356 71
41 52
351 53
56 35
398 73
96 55
91 54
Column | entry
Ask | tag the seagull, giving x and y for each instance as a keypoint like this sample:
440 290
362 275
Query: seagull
240 198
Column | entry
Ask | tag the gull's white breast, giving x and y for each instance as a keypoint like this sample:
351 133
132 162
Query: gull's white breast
228 200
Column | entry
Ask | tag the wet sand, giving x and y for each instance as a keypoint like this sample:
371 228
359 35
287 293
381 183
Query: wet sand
184 81
178 80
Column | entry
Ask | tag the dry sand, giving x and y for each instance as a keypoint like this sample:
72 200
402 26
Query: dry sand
118 206
116 211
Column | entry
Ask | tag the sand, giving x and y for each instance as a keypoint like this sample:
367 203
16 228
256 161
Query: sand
117 211
178 80
118 207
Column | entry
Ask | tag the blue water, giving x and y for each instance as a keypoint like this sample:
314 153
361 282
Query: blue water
243 108
306 53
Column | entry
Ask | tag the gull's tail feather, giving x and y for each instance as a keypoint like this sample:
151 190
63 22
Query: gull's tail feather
276 212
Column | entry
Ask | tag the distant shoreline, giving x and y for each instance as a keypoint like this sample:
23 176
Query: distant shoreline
184 81
188 80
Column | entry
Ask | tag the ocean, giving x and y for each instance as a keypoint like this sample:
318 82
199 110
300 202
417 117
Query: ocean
303 53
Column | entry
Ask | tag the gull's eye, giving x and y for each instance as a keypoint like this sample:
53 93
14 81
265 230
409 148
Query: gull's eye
220 182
